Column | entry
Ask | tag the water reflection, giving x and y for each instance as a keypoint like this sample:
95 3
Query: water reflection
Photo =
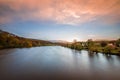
56 60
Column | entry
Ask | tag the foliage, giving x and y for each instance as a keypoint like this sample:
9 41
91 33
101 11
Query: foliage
103 44
107 47
8 40
118 43
90 43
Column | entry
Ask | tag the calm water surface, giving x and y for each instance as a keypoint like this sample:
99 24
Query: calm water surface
57 63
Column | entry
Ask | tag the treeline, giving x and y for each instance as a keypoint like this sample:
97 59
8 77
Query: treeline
8 40
107 47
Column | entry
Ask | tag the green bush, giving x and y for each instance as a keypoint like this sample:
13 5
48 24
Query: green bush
103 44
107 49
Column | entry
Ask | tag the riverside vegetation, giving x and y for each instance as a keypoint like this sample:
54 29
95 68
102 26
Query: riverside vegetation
106 47
8 40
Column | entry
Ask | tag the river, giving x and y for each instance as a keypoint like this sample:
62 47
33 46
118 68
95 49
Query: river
57 63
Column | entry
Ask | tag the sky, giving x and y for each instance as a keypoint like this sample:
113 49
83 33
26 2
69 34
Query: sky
61 19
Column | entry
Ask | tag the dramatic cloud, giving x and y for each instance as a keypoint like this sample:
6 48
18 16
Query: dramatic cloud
60 11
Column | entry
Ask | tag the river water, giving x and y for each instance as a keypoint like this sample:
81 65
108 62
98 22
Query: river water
57 63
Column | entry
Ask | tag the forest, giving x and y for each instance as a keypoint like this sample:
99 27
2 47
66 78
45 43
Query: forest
8 40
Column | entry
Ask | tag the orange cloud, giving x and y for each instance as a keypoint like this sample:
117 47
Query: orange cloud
60 11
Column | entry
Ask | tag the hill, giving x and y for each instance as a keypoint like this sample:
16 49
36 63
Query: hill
8 40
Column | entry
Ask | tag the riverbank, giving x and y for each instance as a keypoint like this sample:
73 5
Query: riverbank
106 47
1 48
113 52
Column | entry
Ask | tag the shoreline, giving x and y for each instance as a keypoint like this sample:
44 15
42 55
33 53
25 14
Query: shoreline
90 51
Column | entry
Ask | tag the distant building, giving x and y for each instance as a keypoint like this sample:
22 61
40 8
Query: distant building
111 45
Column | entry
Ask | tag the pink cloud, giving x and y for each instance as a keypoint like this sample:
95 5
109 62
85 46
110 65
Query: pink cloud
61 11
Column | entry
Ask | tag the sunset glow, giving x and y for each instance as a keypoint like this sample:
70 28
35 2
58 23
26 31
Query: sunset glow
61 19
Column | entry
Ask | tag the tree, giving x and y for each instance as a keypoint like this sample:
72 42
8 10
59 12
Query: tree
118 43
103 43
107 49
78 46
3 39
90 43
27 43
